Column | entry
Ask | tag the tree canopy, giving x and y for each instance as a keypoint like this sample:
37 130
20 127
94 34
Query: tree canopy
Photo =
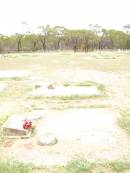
60 38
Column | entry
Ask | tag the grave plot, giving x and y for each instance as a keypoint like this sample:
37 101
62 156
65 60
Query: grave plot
90 126
92 133
19 126
94 130
22 126
14 74
62 91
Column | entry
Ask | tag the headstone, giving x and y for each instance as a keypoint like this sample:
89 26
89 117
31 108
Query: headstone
46 139
14 127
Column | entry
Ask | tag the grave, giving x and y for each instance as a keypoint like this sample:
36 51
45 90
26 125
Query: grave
14 73
93 133
91 126
67 91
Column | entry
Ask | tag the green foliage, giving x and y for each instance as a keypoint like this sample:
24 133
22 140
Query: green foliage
119 39
119 166
60 38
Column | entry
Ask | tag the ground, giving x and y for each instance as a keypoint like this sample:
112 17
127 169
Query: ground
83 126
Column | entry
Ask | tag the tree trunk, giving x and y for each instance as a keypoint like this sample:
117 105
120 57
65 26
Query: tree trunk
19 45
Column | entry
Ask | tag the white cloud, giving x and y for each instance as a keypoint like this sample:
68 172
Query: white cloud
69 13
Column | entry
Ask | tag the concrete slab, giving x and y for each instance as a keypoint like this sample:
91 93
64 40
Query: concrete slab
67 91
14 127
14 73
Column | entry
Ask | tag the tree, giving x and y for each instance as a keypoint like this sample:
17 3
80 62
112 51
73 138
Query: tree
44 33
119 39
18 38
58 32
127 29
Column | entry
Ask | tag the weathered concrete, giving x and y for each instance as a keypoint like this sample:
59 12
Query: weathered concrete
14 127
67 91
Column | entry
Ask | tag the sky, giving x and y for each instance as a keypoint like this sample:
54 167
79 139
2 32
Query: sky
73 14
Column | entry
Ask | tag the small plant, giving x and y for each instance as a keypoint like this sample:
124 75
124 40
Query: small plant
79 166
87 83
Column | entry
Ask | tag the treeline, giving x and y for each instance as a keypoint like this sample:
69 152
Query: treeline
59 38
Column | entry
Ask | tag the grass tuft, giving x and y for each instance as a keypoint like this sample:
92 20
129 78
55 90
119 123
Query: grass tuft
79 166
87 84
124 121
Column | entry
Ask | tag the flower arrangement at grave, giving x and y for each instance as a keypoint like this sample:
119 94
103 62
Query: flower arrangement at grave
28 124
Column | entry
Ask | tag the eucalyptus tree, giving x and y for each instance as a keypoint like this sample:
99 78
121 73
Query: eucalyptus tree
127 30
58 33
119 39
31 42
44 33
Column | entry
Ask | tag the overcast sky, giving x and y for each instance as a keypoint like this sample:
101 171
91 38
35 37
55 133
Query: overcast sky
69 13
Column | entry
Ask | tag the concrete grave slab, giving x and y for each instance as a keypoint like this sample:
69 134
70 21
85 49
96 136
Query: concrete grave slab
14 127
67 91
14 73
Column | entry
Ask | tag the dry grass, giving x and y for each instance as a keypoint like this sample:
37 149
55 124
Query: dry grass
47 67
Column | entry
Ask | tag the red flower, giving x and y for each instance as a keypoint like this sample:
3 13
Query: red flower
27 124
